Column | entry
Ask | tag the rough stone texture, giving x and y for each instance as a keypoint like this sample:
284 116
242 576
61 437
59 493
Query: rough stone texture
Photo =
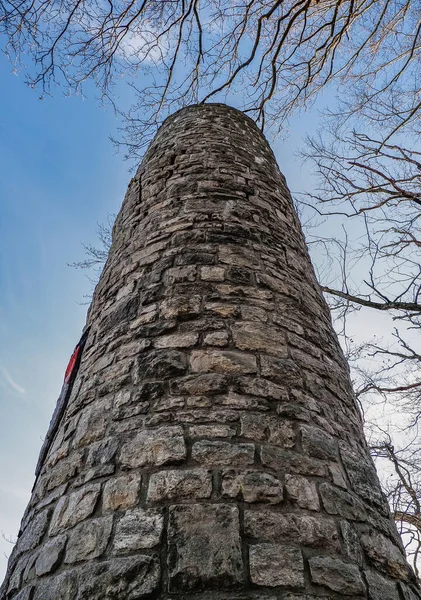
204 547
211 444
273 565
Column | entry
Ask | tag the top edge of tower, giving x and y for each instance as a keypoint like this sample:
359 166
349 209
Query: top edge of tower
194 111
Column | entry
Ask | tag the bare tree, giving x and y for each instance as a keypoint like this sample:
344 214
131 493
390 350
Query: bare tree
273 57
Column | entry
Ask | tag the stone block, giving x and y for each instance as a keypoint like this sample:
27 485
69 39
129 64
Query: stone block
257 386
214 453
251 486
121 492
74 508
92 423
198 385
351 542
262 428
336 575
281 370
211 431
380 588
33 533
176 340
131 578
212 273
180 485
302 491
159 365
384 555
222 361
317 443
138 528
180 306
291 462
204 548
274 565
88 540
314 532
257 336
50 556
362 475
339 502
154 447
60 587
216 338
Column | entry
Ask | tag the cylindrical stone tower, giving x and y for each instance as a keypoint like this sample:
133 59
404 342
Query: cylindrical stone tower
211 447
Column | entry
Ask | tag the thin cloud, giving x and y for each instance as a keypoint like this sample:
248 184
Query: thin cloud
10 381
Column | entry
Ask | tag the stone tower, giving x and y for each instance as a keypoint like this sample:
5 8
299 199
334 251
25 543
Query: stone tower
210 446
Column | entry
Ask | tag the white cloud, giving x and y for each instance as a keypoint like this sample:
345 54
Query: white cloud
6 377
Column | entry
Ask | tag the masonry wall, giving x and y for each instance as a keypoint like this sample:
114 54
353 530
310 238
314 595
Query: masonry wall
212 447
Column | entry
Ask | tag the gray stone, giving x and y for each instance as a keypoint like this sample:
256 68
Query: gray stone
216 338
139 528
92 423
384 555
302 491
281 370
301 529
261 428
61 587
177 340
380 588
204 547
154 447
51 555
123 579
336 575
25 594
275 565
74 508
291 462
257 336
88 540
214 453
173 485
317 443
198 385
160 364
222 361
339 502
33 534
211 431
351 542
121 492
251 486
362 475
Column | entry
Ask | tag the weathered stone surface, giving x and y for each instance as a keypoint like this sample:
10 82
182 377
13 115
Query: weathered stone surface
176 340
196 385
61 587
305 530
317 443
92 424
33 533
26 594
380 588
283 371
251 486
216 338
362 475
276 565
302 491
204 547
125 578
265 428
222 361
280 460
339 502
351 542
51 555
257 336
222 453
336 575
160 364
384 555
211 431
74 508
139 528
154 447
88 540
121 492
176 486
